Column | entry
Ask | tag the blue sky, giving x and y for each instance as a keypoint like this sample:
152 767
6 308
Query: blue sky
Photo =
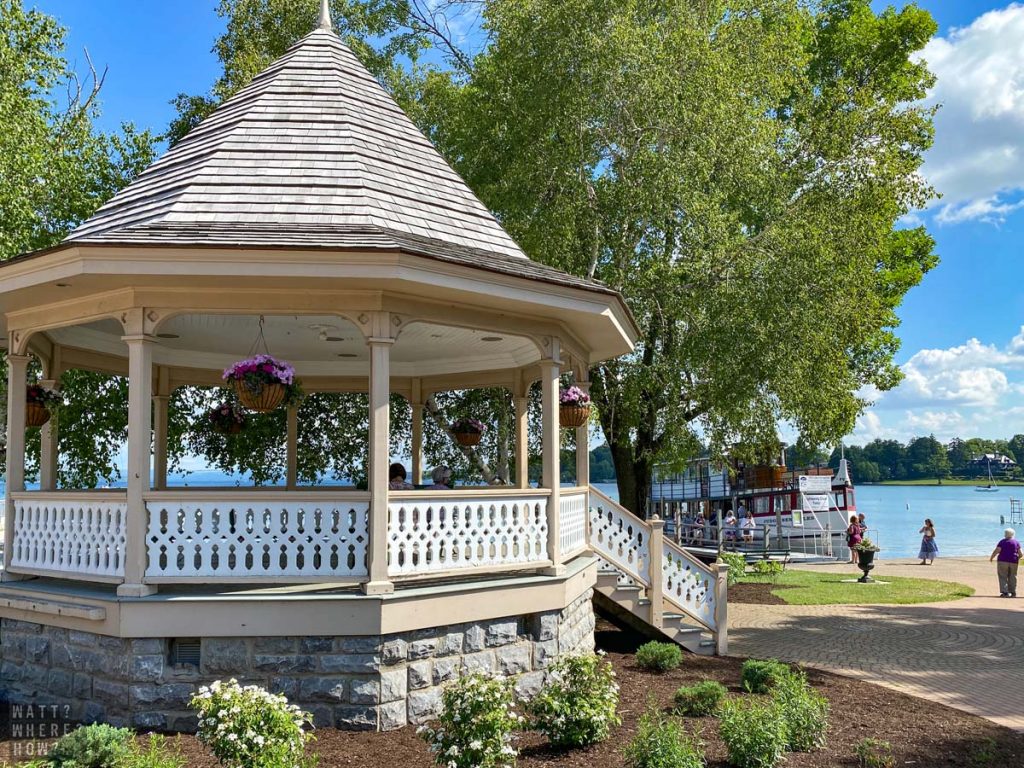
963 346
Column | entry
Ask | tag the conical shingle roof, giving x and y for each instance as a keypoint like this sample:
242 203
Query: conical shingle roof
313 152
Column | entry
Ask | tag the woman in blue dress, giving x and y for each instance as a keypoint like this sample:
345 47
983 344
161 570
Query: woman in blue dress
929 549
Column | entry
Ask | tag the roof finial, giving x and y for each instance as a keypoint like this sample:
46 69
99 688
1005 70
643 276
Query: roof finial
325 16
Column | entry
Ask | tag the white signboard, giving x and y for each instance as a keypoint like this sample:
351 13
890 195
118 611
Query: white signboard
815 502
815 484
796 518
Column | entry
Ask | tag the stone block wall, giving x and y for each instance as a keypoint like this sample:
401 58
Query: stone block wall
366 683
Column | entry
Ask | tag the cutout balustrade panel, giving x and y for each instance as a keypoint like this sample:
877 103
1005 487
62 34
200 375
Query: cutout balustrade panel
428 535
689 584
250 539
572 521
620 538
75 536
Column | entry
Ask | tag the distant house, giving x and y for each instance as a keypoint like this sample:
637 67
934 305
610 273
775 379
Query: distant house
998 463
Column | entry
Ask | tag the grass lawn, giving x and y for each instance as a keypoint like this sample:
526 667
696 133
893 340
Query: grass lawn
813 588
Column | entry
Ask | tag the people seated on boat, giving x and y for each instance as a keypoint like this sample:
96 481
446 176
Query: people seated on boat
442 477
748 526
729 525
396 478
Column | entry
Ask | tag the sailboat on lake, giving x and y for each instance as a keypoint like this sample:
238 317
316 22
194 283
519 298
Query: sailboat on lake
991 487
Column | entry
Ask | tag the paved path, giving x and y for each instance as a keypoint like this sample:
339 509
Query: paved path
967 654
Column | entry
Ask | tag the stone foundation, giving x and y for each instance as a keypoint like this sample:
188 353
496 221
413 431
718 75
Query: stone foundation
363 683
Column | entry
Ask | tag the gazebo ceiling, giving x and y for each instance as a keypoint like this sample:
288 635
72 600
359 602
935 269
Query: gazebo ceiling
317 345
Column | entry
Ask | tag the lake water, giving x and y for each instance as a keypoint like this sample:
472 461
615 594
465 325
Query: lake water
966 521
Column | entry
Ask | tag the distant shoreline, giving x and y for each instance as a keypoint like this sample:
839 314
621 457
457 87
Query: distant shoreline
934 482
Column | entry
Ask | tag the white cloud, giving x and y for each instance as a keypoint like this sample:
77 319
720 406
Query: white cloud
968 390
977 162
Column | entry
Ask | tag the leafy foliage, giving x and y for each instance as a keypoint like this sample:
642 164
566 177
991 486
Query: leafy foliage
577 704
874 753
768 570
658 657
92 746
477 725
737 566
754 733
251 727
699 700
151 752
804 710
661 742
712 162
758 676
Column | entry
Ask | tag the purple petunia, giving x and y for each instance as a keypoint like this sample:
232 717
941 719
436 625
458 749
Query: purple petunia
265 367
574 396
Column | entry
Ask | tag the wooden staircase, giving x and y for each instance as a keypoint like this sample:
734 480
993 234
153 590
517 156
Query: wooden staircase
650 584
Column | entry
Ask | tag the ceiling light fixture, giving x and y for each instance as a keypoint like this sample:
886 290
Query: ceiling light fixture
492 338
335 338
346 354
168 336
63 285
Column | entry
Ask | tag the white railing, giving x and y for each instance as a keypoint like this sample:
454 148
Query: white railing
429 533
70 535
572 521
626 542
620 538
241 537
689 584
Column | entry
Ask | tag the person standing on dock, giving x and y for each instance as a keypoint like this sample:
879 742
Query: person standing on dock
854 536
1009 554
929 549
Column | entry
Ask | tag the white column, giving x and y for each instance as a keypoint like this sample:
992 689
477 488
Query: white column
49 435
583 445
522 407
417 433
161 404
292 471
160 417
656 547
140 435
377 461
550 371
17 370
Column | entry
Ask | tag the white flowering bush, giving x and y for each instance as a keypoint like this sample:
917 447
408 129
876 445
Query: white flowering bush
477 725
249 727
577 705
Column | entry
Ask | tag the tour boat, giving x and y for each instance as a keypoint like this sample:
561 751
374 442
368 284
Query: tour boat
799 510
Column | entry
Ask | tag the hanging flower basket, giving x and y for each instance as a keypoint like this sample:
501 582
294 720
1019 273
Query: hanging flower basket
573 407
468 431
226 418
263 383
40 403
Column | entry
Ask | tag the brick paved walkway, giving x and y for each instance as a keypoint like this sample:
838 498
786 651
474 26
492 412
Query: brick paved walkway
967 654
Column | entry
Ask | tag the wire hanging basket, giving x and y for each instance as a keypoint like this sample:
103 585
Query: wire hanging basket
261 382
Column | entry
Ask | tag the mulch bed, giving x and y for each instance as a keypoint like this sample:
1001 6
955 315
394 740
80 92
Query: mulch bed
756 594
923 734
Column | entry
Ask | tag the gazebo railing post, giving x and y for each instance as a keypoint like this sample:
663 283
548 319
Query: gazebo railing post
551 369
417 432
17 372
521 402
292 449
380 343
49 435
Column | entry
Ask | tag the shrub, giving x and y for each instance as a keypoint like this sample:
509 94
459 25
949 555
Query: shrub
761 676
91 746
737 567
152 753
699 700
659 657
768 570
875 753
754 733
476 726
577 704
660 742
804 710
251 727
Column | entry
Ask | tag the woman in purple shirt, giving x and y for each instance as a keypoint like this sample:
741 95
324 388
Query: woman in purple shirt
1008 553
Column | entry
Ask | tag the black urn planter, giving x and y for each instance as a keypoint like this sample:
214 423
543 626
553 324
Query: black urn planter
865 561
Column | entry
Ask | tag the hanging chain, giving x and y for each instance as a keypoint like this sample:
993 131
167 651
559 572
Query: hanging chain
258 341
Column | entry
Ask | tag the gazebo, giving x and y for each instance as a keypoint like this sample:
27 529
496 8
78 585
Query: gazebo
310 209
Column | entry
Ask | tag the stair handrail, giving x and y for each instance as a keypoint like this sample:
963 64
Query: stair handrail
713 617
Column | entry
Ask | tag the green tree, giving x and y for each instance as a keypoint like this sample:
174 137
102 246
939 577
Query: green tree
736 169
927 458
890 456
55 170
